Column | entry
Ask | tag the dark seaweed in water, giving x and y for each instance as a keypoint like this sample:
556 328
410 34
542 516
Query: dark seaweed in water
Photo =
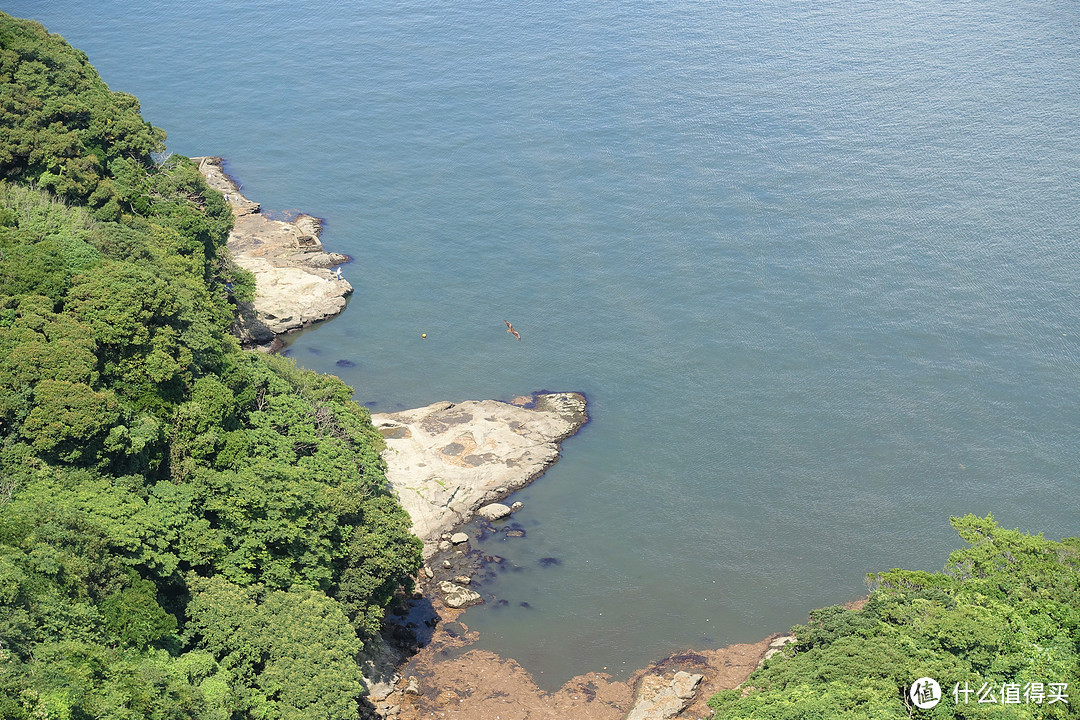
314 350
345 363
549 561
681 660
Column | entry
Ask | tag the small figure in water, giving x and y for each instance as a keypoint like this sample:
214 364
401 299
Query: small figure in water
510 329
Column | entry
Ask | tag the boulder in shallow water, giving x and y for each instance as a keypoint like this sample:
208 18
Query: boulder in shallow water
660 698
456 596
458 538
494 511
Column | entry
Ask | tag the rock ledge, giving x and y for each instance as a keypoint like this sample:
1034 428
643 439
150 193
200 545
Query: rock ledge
660 698
294 286
447 460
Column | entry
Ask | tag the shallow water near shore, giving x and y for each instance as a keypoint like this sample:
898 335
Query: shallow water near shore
815 265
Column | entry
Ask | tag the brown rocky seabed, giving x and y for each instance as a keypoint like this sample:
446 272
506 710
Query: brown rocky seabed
446 680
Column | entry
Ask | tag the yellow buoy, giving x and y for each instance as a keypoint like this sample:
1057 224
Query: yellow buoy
423 335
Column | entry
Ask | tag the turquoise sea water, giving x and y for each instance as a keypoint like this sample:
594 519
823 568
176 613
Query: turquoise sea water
815 265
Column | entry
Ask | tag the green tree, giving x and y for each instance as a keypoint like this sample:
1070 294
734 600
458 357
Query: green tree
290 654
62 124
69 420
1005 610
186 530
134 617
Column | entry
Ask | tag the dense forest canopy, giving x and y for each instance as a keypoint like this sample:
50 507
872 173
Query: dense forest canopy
187 530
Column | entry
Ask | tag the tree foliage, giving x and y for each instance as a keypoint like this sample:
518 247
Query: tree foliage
1005 611
288 653
62 124
187 530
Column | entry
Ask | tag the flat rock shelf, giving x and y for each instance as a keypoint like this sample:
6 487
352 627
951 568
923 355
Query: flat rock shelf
447 460
294 284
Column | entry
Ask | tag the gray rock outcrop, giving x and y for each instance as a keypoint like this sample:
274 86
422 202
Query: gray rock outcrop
778 645
659 698
456 596
447 460
294 286
494 511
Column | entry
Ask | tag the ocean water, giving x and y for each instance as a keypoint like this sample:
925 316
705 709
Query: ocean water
815 265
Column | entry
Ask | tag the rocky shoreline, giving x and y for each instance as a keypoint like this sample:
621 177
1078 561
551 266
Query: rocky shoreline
447 679
448 463
452 463
294 284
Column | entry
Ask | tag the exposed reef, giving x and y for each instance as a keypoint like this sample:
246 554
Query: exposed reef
448 460
294 286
